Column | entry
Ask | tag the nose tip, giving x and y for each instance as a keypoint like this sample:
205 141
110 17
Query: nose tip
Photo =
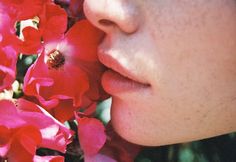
110 15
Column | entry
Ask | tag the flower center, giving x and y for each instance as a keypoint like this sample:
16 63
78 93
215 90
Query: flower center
55 60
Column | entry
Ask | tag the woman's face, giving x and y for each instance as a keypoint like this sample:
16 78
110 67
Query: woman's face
180 58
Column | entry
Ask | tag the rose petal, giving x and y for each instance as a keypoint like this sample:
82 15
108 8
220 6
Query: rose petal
32 40
48 158
91 135
98 158
87 38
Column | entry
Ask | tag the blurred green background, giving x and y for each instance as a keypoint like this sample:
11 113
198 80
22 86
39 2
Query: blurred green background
218 149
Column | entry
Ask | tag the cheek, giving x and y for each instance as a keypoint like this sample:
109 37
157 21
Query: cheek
191 84
179 111
158 121
134 121
192 70
195 52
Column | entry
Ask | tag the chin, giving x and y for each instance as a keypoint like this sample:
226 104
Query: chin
138 123
127 120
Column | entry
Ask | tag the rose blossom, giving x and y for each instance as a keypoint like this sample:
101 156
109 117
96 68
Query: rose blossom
67 73
27 127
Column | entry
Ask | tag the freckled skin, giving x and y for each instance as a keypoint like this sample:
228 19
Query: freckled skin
186 51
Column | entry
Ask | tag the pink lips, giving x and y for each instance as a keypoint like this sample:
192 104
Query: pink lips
115 83
117 79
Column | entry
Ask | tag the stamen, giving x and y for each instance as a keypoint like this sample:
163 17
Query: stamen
55 60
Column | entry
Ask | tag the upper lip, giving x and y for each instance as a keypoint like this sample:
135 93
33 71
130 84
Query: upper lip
114 64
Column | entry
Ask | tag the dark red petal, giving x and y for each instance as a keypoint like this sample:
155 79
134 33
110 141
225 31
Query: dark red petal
118 148
24 144
95 71
32 41
86 38
27 9
53 23
91 109
64 110
76 7
5 135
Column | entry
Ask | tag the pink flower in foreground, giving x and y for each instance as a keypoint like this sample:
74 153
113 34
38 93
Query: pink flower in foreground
101 146
8 58
7 28
92 137
66 76
115 149
27 127
55 135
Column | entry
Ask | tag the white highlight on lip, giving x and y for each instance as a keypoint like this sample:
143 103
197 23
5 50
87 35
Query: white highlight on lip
122 60
131 58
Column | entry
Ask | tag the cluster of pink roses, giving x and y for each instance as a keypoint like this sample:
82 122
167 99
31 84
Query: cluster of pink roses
62 84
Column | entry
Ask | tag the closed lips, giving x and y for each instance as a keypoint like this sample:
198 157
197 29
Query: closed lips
114 65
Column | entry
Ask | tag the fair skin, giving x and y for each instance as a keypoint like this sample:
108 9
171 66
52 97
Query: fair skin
182 56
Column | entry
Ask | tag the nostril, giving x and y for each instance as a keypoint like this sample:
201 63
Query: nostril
105 22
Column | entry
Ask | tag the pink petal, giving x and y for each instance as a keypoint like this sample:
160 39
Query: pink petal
48 159
55 135
4 149
8 113
91 135
98 158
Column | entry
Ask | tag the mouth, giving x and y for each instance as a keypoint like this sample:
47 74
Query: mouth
117 79
115 83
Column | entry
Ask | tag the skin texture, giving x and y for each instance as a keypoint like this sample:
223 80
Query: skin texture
186 51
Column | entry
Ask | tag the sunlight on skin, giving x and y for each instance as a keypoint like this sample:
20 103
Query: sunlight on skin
185 51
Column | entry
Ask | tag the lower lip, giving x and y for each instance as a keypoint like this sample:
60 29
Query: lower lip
114 83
